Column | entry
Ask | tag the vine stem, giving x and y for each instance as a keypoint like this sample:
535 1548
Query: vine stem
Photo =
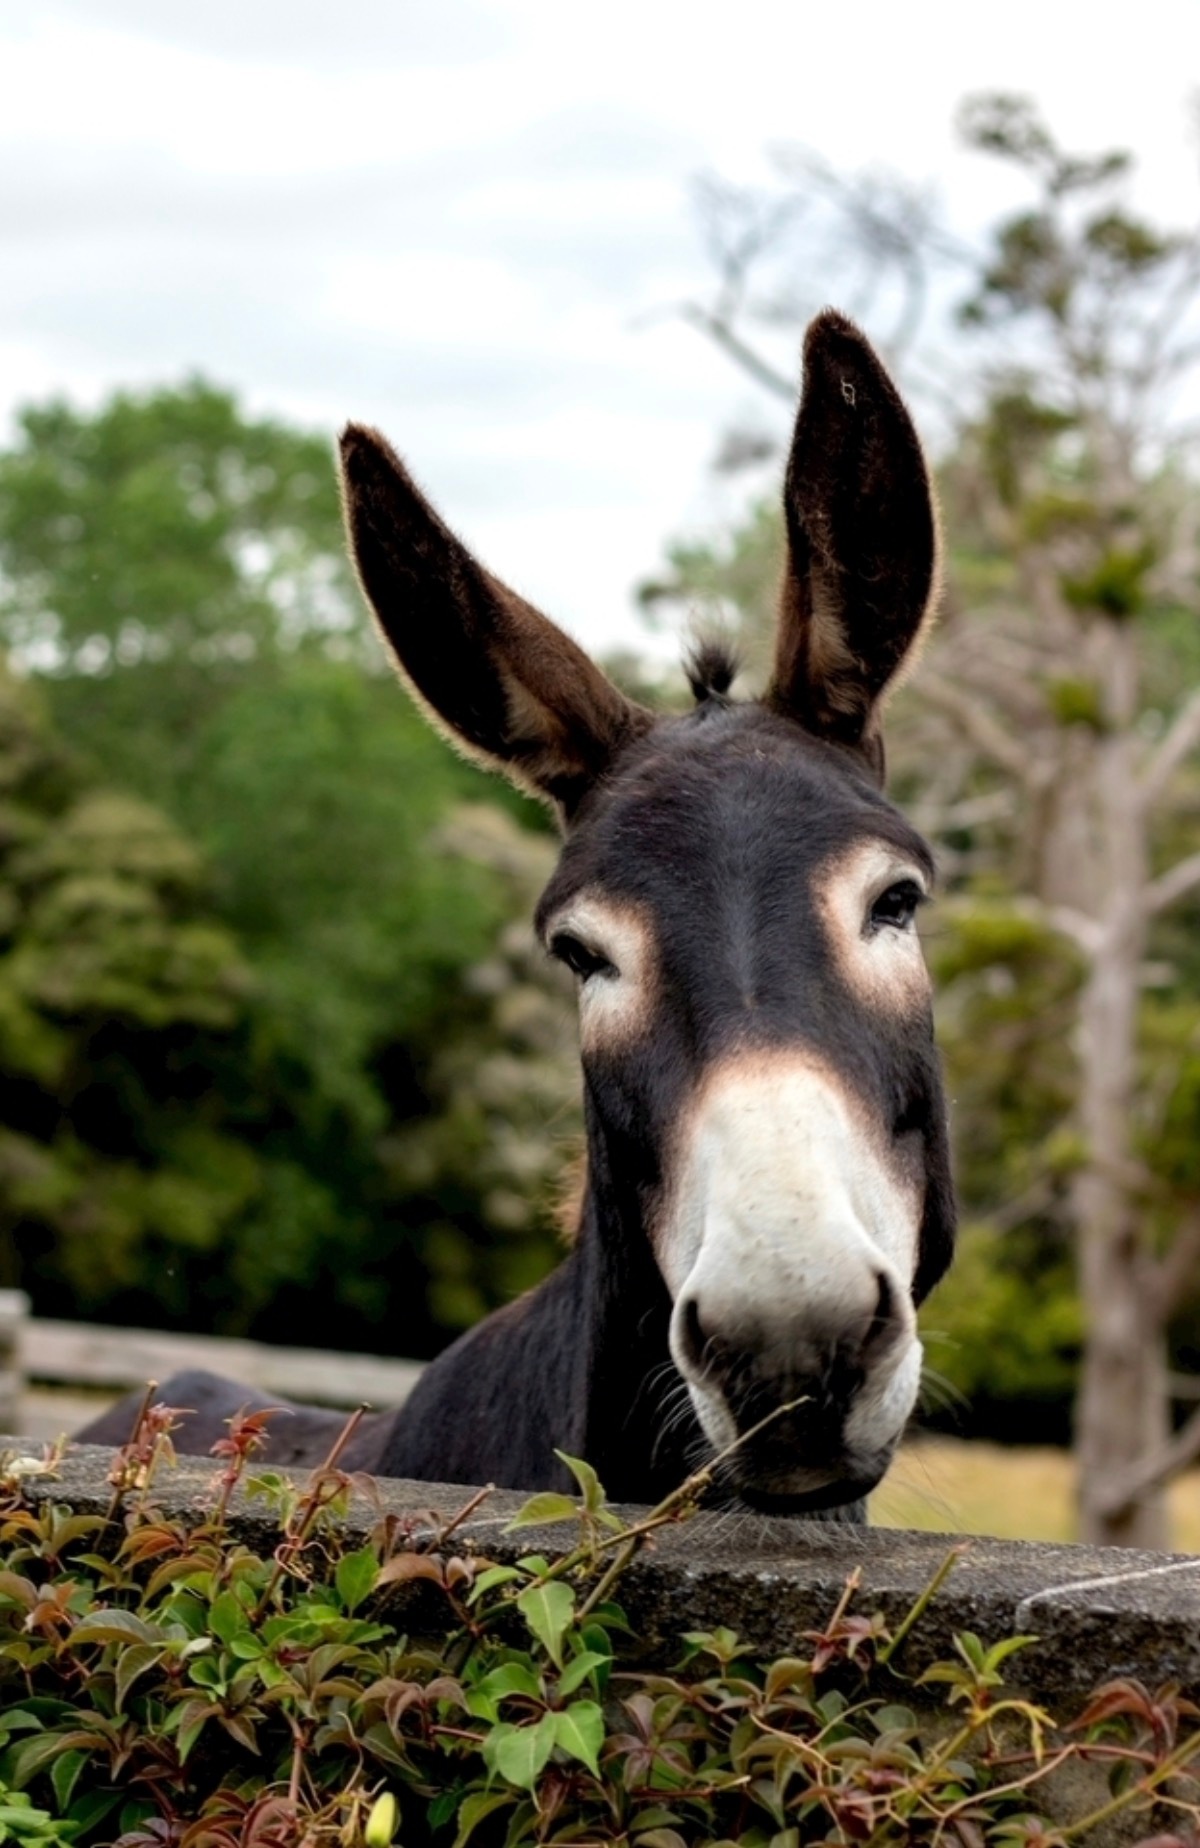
120 1484
922 1604
1171 1763
848 1590
298 1745
629 1540
309 1508
1036 1776
464 1514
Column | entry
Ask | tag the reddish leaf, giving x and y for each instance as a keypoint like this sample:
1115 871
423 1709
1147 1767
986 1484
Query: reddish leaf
404 1566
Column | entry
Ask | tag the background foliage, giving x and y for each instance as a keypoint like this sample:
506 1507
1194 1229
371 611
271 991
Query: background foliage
250 1001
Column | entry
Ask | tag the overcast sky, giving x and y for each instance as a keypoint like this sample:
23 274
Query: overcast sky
460 219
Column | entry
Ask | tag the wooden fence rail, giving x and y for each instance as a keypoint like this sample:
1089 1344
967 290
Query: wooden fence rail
77 1354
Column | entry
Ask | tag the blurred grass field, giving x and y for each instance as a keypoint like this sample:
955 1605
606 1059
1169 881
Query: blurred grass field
945 1485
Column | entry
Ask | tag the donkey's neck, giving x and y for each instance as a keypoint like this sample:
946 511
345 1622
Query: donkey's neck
639 1431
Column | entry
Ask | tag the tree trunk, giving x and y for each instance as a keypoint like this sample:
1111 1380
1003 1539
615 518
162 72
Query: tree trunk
1123 1410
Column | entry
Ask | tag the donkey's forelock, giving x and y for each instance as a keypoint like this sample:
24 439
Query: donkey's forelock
711 666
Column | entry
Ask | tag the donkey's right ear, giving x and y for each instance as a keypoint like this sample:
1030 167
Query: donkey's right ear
862 562
500 679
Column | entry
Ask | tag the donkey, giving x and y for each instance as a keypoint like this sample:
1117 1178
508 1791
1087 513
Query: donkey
768 1190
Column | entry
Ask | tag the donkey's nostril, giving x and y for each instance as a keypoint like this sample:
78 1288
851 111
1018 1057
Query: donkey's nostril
696 1341
883 1319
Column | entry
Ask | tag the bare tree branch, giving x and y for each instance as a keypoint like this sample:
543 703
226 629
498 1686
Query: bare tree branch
1163 892
1177 1269
1153 1471
1087 934
719 331
1181 740
977 724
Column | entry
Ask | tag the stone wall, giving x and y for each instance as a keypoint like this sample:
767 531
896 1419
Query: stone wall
1096 1612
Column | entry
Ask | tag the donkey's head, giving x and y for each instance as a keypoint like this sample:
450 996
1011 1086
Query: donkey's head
736 897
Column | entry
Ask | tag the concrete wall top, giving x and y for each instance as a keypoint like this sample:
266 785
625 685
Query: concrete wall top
1096 1612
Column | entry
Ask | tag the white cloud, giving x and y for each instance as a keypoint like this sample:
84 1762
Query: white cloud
457 217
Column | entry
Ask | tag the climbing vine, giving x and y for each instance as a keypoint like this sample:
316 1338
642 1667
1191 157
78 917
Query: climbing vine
165 1685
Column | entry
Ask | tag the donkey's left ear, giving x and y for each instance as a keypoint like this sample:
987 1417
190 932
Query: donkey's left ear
499 678
861 572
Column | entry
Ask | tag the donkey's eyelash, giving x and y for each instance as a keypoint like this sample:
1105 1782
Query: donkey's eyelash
582 961
897 905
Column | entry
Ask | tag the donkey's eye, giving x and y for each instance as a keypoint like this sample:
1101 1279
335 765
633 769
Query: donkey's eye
897 906
583 962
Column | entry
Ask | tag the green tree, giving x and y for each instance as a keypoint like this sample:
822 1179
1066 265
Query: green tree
154 550
115 980
172 574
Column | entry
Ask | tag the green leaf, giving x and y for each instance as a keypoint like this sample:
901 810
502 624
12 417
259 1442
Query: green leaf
17 1590
226 1617
355 1577
949 1672
971 1649
999 1652
21 1823
64 1774
894 1719
136 1812
541 1509
495 1575
474 1808
90 1809
246 1648
115 1627
442 1808
522 1824
579 1668
786 1673
603 1618
519 1753
33 1755
205 1672
548 1609
510 1678
131 1663
722 1643
586 1477
22 1719
579 1731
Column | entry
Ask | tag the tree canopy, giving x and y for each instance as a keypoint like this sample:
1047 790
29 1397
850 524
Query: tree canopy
241 1001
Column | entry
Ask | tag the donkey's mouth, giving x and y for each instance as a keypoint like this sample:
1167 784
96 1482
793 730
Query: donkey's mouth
840 1477
833 1494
